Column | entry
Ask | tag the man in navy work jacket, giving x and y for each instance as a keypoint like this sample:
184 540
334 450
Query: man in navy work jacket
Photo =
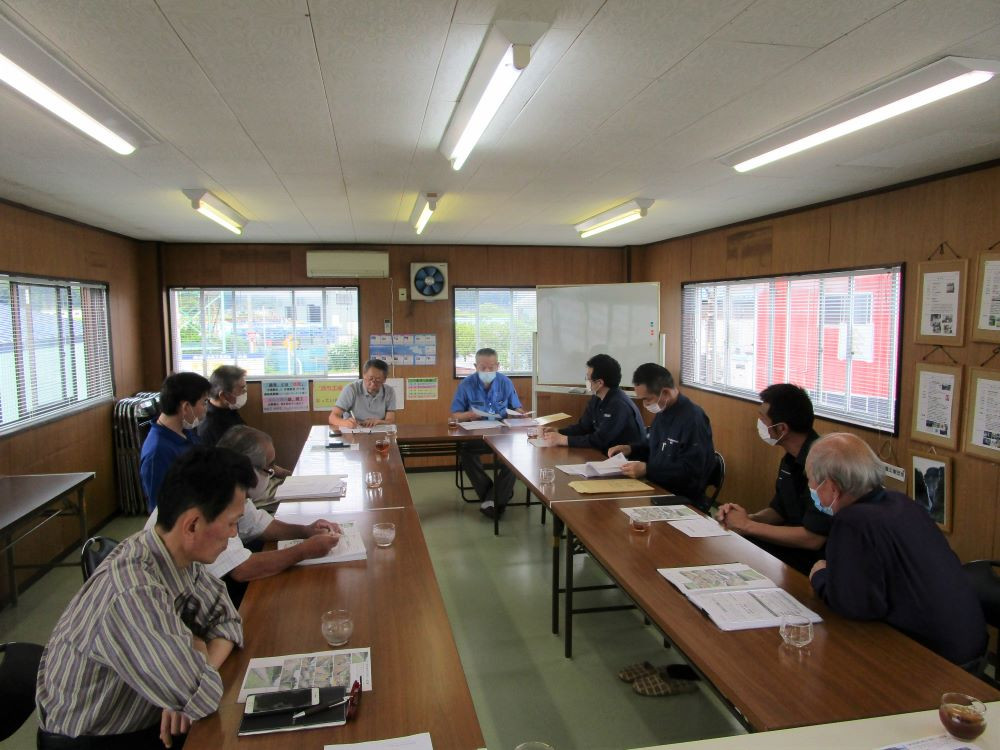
611 417
678 454
886 559
490 392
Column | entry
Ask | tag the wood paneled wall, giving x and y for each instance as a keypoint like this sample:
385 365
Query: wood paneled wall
285 265
902 225
37 244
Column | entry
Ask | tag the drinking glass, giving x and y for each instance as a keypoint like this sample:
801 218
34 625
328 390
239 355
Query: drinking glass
638 525
373 479
452 423
384 534
796 630
390 433
534 745
547 475
533 432
962 715
337 626
382 445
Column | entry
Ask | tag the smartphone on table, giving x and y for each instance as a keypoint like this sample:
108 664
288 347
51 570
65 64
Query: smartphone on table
280 702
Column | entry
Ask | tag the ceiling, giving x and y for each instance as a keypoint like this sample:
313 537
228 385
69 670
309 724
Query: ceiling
320 119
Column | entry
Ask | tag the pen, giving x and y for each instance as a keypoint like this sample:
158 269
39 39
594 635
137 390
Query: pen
319 707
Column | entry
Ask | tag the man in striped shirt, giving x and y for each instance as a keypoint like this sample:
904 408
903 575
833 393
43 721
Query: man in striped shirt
133 660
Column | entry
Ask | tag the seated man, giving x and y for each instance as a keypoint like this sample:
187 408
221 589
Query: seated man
183 398
491 392
237 565
366 402
790 528
678 454
226 397
885 558
611 417
133 660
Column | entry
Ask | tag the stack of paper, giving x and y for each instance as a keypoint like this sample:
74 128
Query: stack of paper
367 430
650 513
349 547
597 486
523 422
487 414
480 424
552 418
735 596
608 468
313 487
413 742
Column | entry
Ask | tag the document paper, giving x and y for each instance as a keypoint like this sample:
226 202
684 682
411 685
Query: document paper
311 487
610 467
349 547
320 669
413 742
660 513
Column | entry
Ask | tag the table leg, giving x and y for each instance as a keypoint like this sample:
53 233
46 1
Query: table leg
11 574
496 506
568 604
557 529
82 508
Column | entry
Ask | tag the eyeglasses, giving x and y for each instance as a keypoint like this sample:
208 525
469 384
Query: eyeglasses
269 470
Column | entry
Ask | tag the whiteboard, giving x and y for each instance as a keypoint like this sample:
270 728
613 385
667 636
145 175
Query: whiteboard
577 322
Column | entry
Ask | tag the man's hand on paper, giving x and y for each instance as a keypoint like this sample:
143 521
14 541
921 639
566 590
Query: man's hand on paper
625 450
351 422
322 526
634 469
734 517
319 545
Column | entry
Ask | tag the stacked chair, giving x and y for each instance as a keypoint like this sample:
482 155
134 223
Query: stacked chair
133 417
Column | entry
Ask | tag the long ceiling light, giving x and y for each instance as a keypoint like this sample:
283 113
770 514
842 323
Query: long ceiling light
422 210
934 82
626 213
505 53
212 207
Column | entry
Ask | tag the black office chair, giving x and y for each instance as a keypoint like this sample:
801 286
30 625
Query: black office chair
983 576
716 479
93 553
18 673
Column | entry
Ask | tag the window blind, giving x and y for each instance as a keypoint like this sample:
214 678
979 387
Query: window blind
55 349
501 319
834 334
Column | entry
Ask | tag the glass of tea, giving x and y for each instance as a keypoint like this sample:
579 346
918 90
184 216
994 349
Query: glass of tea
962 715
382 445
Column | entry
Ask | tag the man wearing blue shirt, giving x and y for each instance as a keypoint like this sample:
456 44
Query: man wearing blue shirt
493 392
183 402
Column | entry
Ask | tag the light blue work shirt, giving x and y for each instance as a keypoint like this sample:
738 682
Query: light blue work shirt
471 392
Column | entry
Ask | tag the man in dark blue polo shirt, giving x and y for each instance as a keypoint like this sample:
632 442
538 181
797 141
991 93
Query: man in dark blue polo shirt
886 559
183 401
611 417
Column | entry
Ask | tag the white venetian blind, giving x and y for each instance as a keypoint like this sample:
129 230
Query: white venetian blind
55 352
500 319
834 334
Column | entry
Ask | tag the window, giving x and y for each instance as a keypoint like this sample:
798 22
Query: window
834 334
55 349
310 332
501 319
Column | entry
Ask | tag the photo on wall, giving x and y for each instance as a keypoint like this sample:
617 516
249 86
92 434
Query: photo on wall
930 486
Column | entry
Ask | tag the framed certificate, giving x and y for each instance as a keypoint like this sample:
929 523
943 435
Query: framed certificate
930 486
936 396
941 302
982 419
987 324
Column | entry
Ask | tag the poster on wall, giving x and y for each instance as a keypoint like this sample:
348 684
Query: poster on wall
941 302
326 393
422 389
988 299
930 486
284 395
403 348
982 431
935 408
397 388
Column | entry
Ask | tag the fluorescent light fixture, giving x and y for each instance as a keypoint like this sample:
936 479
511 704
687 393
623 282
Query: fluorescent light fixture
212 207
422 210
505 53
42 77
626 213
941 79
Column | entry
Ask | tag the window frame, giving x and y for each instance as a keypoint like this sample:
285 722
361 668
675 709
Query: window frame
454 337
69 408
819 412
251 378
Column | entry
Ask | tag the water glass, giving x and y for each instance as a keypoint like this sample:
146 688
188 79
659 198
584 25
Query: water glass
390 432
533 433
796 630
337 626
384 534
373 479
547 475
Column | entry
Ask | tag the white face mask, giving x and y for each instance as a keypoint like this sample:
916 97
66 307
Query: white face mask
653 408
589 386
259 490
765 433
241 401
191 425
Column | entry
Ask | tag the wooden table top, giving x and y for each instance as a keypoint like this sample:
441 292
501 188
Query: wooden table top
525 460
852 669
23 494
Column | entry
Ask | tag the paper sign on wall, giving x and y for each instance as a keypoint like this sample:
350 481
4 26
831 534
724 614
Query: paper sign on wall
422 389
284 395
397 387
326 393
404 348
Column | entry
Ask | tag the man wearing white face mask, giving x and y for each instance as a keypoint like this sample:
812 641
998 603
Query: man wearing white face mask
791 528
678 454
183 398
491 392
242 562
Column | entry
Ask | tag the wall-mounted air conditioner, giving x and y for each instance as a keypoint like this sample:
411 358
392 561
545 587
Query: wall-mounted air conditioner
325 264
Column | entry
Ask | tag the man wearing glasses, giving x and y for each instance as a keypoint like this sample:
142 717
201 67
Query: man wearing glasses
366 402
242 561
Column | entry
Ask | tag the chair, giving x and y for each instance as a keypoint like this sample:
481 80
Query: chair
716 478
93 553
983 576
18 674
